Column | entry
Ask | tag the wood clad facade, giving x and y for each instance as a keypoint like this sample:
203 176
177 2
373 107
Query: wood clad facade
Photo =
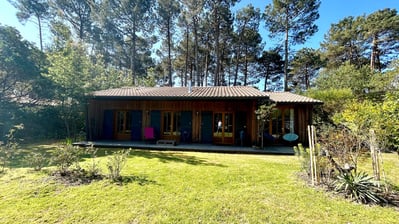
191 120
201 119
216 115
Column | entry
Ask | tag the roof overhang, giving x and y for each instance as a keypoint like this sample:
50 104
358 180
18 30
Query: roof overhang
181 93
287 98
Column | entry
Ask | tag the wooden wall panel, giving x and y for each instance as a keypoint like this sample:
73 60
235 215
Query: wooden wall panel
96 110
97 107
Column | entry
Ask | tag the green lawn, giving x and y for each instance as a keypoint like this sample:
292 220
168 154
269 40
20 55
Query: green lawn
186 187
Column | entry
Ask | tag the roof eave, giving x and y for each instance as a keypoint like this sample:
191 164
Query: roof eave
298 103
175 98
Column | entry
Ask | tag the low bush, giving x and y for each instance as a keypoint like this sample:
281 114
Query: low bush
65 156
115 164
37 160
9 147
359 187
93 168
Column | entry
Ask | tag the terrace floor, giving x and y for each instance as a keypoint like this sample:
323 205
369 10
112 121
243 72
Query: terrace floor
274 149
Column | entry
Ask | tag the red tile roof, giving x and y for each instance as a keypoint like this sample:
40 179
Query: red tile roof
287 97
216 92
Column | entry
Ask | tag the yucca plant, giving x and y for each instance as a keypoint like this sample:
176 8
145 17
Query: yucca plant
359 187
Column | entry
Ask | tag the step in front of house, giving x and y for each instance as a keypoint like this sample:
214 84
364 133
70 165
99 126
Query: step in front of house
166 142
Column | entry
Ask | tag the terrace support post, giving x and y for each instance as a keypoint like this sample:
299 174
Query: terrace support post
312 154
376 157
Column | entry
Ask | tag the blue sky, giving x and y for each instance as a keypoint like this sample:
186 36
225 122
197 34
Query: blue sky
331 11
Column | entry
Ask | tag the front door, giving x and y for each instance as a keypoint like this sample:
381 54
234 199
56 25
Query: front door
223 128
137 125
171 125
123 125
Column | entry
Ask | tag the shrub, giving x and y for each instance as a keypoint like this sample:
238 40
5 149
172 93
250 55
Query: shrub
93 168
115 164
323 167
66 156
37 161
303 154
9 148
359 187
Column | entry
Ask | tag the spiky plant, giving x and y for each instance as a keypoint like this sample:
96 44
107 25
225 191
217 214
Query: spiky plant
359 187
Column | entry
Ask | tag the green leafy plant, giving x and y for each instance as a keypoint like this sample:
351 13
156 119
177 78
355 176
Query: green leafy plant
9 148
37 160
93 168
263 115
303 154
66 156
359 187
115 164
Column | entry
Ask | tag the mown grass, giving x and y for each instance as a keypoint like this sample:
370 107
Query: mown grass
185 187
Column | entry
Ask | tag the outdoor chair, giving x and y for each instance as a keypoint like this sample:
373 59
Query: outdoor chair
149 134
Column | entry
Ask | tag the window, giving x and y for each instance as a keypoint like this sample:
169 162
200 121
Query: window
171 122
218 124
223 124
282 122
228 125
276 123
123 122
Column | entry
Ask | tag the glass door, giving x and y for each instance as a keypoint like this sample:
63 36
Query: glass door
223 128
123 125
171 125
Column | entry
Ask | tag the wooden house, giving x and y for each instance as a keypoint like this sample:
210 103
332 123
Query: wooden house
217 115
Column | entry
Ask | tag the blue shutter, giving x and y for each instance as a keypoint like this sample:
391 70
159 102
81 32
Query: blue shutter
206 127
137 118
186 126
108 125
156 122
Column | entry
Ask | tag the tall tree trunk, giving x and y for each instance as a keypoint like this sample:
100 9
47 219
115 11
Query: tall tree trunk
206 69
246 67
266 78
374 58
40 32
186 57
81 31
286 52
307 81
197 75
169 54
133 56
217 44
237 66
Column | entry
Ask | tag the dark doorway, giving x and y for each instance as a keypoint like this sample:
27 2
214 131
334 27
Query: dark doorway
108 125
206 127
156 122
241 134
186 126
137 120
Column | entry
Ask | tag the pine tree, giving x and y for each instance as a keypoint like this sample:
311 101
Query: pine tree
28 8
305 67
344 42
381 28
168 10
295 20
247 42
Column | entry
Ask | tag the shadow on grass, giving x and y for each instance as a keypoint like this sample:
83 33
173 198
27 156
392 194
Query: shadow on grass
163 156
20 160
176 157
140 180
